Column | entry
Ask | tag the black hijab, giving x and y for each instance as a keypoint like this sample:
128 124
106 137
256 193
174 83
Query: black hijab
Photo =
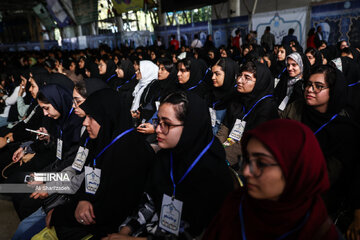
92 68
242 103
61 80
278 68
197 72
106 108
94 84
222 95
68 122
110 71
209 179
129 74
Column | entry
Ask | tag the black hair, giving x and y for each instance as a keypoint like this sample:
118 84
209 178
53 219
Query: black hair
186 62
180 102
291 31
311 32
168 64
268 28
221 63
249 66
329 74
41 97
80 87
311 50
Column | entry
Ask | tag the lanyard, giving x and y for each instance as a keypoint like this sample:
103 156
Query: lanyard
281 73
279 238
213 105
110 77
190 168
255 105
71 110
207 70
126 82
353 84
112 142
325 124
86 141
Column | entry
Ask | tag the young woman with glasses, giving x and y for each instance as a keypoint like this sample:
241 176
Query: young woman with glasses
324 110
190 168
285 173
253 104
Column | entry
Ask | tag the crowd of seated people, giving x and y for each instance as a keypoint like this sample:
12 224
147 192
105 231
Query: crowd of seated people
194 143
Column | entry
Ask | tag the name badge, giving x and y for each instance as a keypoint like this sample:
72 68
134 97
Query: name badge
59 149
284 103
170 215
238 130
80 158
213 116
157 104
92 179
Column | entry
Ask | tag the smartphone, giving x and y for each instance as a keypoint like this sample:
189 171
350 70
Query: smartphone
34 131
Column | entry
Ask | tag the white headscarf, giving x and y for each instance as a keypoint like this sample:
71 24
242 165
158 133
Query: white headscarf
149 71
291 82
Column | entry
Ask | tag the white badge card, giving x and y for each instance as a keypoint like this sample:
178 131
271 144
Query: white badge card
80 158
170 215
213 116
157 104
59 149
92 179
283 104
238 130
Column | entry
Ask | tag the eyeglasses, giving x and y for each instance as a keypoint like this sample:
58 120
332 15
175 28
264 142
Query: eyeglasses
164 127
256 166
316 87
243 77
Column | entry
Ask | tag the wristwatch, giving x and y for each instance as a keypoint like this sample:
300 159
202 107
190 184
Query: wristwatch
7 140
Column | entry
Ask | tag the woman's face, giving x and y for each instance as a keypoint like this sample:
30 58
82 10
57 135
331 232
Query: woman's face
102 67
281 54
167 117
116 59
315 98
223 53
119 72
49 110
34 89
293 68
311 58
211 55
153 56
162 74
246 51
266 180
92 126
183 74
137 71
218 76
77 101
81 63
245 82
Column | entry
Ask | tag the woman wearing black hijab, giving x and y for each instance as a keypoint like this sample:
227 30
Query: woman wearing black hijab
323 110
314 57
223 77
192 76
254 105
125 73
91 69
278 68
190 167
107 69
121 159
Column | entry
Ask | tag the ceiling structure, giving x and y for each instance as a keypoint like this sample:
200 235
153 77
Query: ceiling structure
18 5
